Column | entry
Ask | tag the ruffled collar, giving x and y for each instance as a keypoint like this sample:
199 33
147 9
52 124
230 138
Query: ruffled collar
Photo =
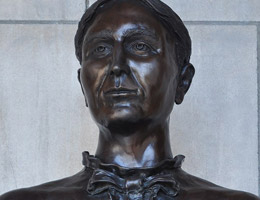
132 183
91 161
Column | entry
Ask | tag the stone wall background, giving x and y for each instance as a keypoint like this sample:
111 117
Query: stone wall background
44 125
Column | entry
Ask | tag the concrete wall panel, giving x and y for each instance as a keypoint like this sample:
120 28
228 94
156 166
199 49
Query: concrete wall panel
41 10
44 123
189 10
212 10
216 127
220 10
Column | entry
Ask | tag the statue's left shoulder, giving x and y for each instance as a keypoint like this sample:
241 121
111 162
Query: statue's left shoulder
238 195
196 188
215 193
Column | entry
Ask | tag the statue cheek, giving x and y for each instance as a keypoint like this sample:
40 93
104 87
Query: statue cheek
93 74
147 73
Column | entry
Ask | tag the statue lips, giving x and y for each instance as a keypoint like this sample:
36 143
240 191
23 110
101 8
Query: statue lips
121 92
128 93
122 97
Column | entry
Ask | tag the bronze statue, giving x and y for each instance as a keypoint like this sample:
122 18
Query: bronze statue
134 58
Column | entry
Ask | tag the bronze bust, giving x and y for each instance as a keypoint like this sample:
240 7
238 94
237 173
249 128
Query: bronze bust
134 58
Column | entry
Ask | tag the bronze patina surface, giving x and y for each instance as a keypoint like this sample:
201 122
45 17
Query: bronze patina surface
135 64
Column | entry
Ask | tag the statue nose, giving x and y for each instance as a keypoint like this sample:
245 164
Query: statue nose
116 70
119 62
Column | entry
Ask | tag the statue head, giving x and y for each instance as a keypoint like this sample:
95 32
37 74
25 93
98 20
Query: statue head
135 61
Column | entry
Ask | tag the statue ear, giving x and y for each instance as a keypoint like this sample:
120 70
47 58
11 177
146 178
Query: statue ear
185 79
79 71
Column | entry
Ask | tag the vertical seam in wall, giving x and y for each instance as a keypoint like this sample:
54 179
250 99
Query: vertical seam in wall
258 99
87 3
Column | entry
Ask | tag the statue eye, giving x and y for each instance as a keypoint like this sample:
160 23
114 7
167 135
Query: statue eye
142 47
100 49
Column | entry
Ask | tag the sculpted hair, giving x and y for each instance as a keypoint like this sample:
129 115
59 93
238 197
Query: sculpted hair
169 19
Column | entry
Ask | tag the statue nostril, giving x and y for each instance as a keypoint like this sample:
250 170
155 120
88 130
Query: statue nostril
116 71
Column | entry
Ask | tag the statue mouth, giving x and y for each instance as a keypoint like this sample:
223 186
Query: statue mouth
121 92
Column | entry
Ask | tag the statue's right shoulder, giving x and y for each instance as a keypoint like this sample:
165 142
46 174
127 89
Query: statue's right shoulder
21 194
65 189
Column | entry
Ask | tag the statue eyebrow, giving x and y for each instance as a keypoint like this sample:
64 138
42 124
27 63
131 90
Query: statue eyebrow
105 34
140 32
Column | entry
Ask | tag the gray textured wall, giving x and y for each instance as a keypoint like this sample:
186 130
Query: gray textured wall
44 125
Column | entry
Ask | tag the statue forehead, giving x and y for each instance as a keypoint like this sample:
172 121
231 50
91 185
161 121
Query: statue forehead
173 27
129 14
122 5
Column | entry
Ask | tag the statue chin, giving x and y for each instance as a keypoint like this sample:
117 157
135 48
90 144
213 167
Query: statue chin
121 114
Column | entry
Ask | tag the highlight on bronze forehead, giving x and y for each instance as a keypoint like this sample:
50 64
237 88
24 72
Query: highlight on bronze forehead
162 12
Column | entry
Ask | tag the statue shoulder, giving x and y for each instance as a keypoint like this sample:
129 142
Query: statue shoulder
197 187
243 195
51 190
21 194
217 194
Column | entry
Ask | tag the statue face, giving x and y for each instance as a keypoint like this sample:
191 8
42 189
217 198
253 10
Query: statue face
129 70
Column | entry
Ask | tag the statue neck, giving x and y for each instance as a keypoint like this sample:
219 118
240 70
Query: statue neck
141 146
